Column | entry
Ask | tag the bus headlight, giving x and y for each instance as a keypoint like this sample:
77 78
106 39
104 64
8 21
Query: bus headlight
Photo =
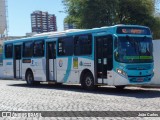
121 72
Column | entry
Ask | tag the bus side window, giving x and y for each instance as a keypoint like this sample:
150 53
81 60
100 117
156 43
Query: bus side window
39 48
65 46
8 50
28 49
83 44
60 47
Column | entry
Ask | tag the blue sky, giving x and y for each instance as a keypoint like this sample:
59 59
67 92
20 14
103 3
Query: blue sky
19 14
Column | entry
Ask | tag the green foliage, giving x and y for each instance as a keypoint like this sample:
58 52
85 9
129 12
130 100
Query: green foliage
155 28
98 13
135 11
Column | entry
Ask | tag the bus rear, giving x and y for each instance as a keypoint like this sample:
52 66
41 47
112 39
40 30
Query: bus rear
133 56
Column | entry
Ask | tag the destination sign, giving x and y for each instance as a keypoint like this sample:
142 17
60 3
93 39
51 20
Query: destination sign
133 30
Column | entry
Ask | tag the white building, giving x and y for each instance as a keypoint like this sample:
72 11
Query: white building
69 26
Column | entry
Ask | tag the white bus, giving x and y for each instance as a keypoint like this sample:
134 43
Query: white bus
118 55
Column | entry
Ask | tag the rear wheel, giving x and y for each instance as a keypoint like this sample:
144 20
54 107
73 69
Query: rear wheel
37 82
30 78
88 81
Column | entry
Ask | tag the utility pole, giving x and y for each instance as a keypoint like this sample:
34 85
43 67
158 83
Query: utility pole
3 19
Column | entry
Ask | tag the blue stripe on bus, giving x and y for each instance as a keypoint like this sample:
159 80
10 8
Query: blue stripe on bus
68 71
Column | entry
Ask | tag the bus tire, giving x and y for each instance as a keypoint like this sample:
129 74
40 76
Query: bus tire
37 82
29 78
58 84
88 81
120 87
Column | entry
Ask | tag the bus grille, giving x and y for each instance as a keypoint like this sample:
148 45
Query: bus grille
139 79
139 67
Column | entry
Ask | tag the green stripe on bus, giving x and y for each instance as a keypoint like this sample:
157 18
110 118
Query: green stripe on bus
137 57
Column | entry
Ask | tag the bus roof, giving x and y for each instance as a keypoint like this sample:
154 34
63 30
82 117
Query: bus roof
70 32
59 33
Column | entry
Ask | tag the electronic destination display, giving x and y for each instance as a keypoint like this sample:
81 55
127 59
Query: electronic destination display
133 30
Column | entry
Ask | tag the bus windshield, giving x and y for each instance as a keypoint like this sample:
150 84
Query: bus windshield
134 50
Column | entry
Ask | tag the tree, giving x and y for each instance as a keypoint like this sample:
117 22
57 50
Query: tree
135 11
90 13
98 13
155 28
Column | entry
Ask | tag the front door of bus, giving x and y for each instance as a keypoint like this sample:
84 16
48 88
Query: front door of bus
103 56
51 61
17 66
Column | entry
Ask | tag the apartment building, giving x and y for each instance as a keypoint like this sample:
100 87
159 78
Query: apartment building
43 22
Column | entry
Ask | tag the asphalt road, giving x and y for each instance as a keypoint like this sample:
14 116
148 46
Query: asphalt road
17 96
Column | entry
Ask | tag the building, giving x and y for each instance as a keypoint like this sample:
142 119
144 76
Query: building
43 22
3 19
31 34
69 26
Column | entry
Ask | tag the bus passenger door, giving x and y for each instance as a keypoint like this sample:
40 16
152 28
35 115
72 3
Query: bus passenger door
51 61
103 57
17 61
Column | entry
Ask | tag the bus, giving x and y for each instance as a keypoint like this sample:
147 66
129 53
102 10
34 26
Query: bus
118 55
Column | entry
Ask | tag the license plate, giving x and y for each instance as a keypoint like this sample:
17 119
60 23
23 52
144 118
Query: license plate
140 79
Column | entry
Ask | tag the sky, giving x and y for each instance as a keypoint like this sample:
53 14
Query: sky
19 11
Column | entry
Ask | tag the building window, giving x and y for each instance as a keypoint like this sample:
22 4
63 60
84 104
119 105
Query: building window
38 48
8 50
65 46
83 45
28 49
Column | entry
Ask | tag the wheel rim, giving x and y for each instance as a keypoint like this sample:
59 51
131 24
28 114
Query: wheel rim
29 78
88 81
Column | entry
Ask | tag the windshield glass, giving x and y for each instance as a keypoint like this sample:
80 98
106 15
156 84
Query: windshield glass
134 50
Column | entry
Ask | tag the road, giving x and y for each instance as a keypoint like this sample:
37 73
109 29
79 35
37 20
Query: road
17 96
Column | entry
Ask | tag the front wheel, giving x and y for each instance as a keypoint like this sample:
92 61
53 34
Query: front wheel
88 81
